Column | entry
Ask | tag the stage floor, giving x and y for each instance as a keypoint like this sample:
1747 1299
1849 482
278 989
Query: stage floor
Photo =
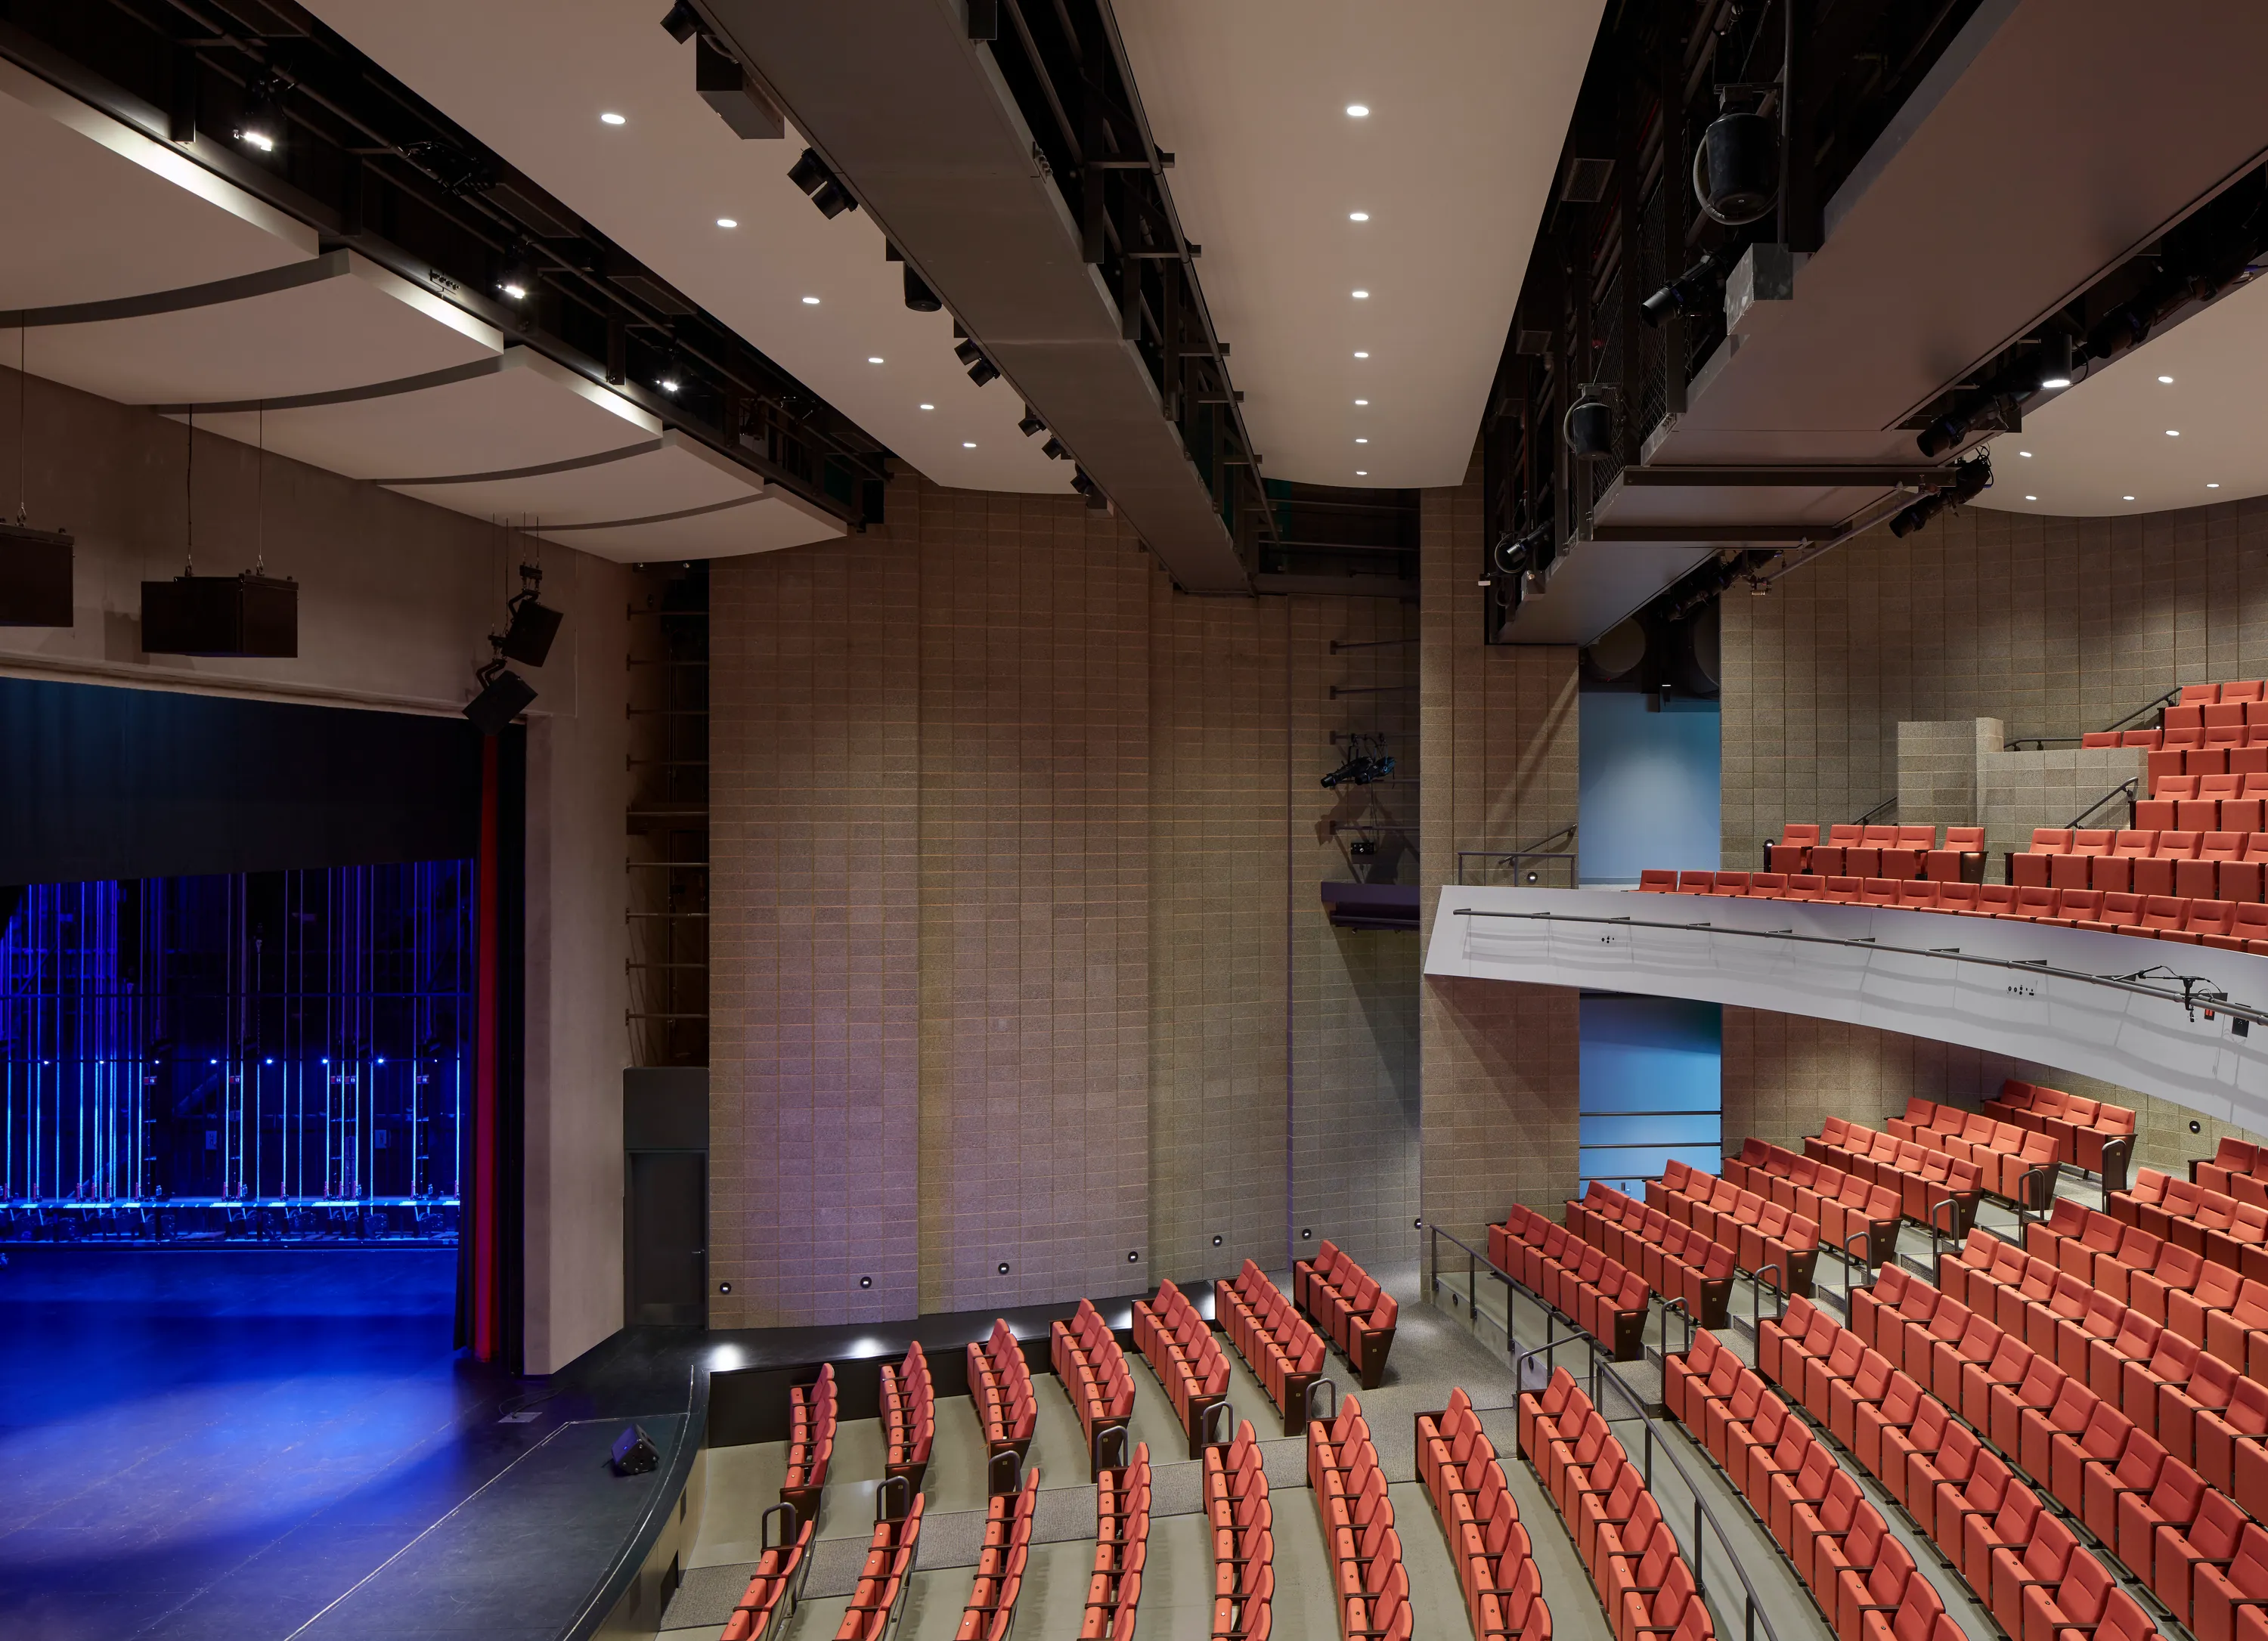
258 1444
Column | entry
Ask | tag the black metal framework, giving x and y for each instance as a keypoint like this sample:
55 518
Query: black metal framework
1624 223
1066 66
1332 530
373 168
668 821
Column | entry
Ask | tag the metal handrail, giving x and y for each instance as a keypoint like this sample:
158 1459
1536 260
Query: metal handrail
2125 789
1756 1285
992 1486
1094 1449
1865 1262
1692 1326
1878 811
2024 743
1307 1399
1952 1232
1539 849
1207 1434
906 1492
2197 991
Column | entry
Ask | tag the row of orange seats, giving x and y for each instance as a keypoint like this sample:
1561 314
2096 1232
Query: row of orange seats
2225 1230
1000 1384
1763 1233
1925 1178
989 1613
1121 1544
2226 865
782 1571
909 1414
1179 1345
2238 1168
2195 753
1092 1369
1495 1562
1358 1522
1280 1346
2232 802
1243 1526
1576 1276
2196 1406
1355 1313
1847 1209
2126 1261
884 1576
2006 1155
1862 1578
1878 851
2081 1124
1642 1579
810 1419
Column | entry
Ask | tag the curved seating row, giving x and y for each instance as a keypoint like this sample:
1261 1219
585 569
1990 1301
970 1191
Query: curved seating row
1642 1579
1357 1517
1000 1384
2110 1253
1179 1346
811 1420
884 1577
909 1416
2201 802
1764 1233
2238 1168
2221 1229
1845 1207
1242 1519
2141 1272
1898 852
1121 1548
1841 1547
1280 1346
782 1570
1092 1369
2210 863
1923 1178
2082 1125
989 1613
1496 1563
2016 1164
1597 1291
1346 1302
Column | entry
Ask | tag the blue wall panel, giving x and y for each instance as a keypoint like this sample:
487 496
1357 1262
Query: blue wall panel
1653 1087
1649 787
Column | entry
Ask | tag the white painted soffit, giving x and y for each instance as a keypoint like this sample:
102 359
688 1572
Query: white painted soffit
530 78
1469 101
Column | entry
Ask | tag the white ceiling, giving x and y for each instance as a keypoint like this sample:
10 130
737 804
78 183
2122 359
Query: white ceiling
1468 100
530 78
2104 440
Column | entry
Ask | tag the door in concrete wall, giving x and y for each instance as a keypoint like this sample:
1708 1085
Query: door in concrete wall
667 1268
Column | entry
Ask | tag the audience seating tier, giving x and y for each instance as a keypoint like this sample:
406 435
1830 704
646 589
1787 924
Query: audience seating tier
1179 1346
1000 1384
1236 1503
1122 1547
1372 1584
1496 1563
1353 1312
1092 1369
1597 1291
1764 1235
989 1613
884 1576
810 1419
1897 853
909 1416
1936 1189
781 1571
1284 1351
1849 1211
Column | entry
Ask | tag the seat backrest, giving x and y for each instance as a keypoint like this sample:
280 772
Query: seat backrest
2088 842
2133 845
1844 835
1799 834
1968 838
2047 839
2177 846
1881 837
1917 837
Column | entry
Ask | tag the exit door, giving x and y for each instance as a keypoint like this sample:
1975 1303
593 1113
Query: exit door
668 1269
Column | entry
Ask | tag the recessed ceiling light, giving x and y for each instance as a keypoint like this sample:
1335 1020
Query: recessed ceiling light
873 358
2167 379
968 443
2031 499
1361 295
1358 216
612 119
728 222
1362 402
2173 432
1358 111
929 406
1362 355
2129 498
2023 453
1362 441
811 301
1362 473
2210 487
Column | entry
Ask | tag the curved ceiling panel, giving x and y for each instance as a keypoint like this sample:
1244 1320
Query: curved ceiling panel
670 474
96 211
1468 102
761 525
530 78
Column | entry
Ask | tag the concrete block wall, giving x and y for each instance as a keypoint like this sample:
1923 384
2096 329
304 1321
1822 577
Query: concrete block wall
2017 791
1937 769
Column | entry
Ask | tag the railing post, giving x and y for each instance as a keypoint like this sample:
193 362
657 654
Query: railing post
1700 1558
1472 1288
1648 1469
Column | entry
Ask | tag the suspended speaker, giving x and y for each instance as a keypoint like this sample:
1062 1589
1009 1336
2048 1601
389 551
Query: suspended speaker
35 577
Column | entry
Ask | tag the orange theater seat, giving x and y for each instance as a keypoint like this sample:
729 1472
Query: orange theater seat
1962 858
2029 870
1793 853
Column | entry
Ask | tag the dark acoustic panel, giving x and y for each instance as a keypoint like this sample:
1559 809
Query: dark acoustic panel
113 782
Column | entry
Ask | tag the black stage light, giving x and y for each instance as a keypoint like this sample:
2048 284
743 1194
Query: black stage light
982 372
683 22
504 695
261 126
919 296
832 198
1055 449
1736 169
35 577
1969 479
516 281
968 353
809 173
1031 423
1696 287
1590 425
2055 360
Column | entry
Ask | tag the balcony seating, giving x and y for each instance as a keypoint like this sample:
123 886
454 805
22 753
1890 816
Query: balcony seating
1762 1234
1092 1369
811 1421
1496 1563
1000 1384
1346 1303
1181 1350
1643 1580
989 1613
1923 1177
782 1570
1358 1522
909 1402
1578 1278
1243 1538
2225 1230
883 1578
1284 1351
1793 853
2082 1127
1961 859
1122 1543
2004 1154
2238 1168
1846 1208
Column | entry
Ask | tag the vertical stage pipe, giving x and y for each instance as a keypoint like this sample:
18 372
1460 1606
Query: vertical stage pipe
486 1315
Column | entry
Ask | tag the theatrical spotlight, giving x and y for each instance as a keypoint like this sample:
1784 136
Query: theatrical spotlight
1366 760
1055 449
1590 424
1736 169
2054 363
919 296
683 22
810 173
532 625
1089 489
1516 554
516 281
980 370
1031 424
1969 479
261 126
1698 287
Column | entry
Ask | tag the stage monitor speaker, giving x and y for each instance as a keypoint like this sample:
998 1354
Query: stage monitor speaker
633 1453
227 615
35 577
503 699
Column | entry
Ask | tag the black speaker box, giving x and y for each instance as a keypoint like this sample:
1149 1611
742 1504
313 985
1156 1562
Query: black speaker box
633 1453
503 699
35 577
232 615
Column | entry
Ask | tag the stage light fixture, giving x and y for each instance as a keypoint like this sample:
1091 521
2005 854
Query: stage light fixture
919 296
967 352
503 695
1736 169
1969 479
832 198
517 280
683 22
980 370
1366 760
1696 287
1589 426
1031 424
810 173
261 126
1055 449
2055 361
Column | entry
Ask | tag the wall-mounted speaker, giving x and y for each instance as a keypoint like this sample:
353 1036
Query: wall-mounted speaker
35 577
232 616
